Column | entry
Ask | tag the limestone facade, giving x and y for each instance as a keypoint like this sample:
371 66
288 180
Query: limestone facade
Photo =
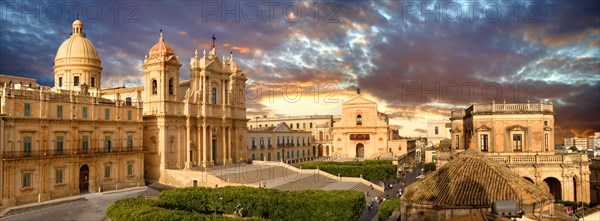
280 143
60 141
363 132
320 126
521 136
190 124
437 130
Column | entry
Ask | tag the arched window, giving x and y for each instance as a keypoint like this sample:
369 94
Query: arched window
214 96
436 130
359 120
154 87
171 86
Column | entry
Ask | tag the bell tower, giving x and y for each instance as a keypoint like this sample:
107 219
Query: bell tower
161 79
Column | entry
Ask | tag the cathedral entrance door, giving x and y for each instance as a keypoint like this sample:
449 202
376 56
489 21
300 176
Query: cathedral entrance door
84 179
360 150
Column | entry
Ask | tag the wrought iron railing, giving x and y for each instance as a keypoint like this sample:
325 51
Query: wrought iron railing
69 152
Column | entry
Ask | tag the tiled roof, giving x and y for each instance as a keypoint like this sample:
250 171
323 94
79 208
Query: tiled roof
471 180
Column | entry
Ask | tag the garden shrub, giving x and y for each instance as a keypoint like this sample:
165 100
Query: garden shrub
386 208
200 203
369 169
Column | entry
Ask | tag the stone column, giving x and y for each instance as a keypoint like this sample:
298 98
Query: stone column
204 145
209 144
188 143
224 144
229 144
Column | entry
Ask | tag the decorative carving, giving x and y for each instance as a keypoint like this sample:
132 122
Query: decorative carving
359 137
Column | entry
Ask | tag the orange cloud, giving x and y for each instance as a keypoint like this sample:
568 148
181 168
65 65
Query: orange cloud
226 45
183 33
242 50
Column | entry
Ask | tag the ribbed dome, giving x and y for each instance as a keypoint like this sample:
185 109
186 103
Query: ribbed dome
471 180
77 46
161 48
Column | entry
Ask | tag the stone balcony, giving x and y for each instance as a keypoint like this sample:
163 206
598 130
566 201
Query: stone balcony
503 108
540 159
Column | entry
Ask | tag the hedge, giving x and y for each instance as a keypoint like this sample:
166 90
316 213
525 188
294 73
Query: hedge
369 169
428 167
386 208
199 203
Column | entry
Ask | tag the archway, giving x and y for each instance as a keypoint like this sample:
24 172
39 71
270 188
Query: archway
327 151
553 186
320 150
84 179
360 150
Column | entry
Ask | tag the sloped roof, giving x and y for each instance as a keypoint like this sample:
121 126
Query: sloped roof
471 180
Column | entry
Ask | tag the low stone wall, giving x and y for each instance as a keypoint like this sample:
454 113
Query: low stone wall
186 178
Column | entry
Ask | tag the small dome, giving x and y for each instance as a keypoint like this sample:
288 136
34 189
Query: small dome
77 45
161 48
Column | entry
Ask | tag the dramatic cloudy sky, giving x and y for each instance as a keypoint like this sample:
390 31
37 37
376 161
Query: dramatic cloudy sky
419 59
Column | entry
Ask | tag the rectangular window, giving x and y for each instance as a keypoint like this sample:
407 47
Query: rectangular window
107 114
545 123
484 142
517 142
107 144
27 146
93 82
253 157
60 81
59 111
129 142
76 81
59 176
27 111
310 124
129 115
26 180
457 141
130 169
297 125
546 142
303 125
278 156
85 142
59 144
84 112
106 171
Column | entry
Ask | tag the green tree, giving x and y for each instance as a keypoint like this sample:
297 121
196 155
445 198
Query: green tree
428 167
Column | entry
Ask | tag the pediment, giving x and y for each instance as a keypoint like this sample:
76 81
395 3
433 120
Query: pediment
358 99
282 127
516 128
455 130
483 128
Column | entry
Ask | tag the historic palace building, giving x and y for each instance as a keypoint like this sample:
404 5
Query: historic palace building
66 140
280 143
363 132
521 136
76 137
320 126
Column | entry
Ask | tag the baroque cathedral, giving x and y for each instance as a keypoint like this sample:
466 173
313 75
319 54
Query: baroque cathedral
76 137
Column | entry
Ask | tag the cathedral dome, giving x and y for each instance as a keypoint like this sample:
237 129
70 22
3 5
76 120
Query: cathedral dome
161 49
77 46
